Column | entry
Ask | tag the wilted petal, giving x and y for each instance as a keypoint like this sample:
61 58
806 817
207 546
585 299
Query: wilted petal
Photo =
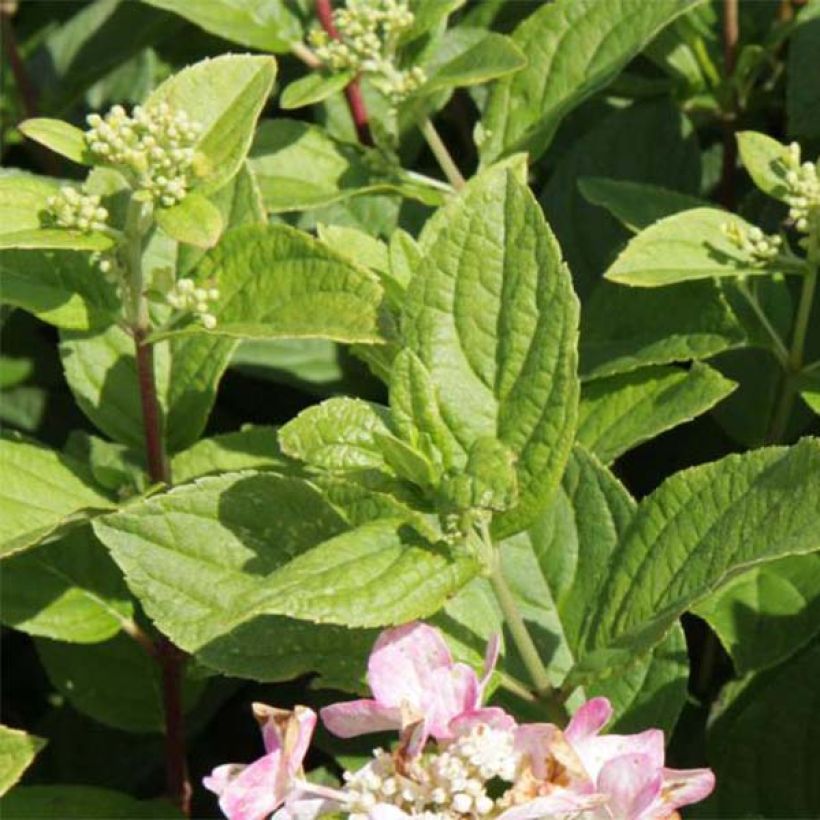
631 783
252 794
359 717
684 786
402 662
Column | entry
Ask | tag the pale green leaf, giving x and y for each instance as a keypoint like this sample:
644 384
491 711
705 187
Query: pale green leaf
766 160
253 448
802 92
23 201
766 614
70 802
492 316
315 293
68 590
56 239
313 88
619 412
623 329
265 25
636 204
494 55
194 221
698 530
61 137
338 434
686 246
574 48
17 750
115 682
42 491
356 245
224 95
765 744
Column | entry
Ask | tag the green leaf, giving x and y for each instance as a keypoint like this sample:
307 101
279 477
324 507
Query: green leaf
766 614
208 558
82 803
686 246
765 745
356 245
313 88
623 329
115 682
101 371
494 55
619 412
338 434
41 492
809 385
195 221
225 96
635 204
648 142
766 160
17 750
316 293
265 25
68 590
692 535
300 166
251 448
23 198
56 239
574 48
61 137
802 94
492 316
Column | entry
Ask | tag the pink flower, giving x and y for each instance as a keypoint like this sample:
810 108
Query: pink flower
629 770
413 679
254 791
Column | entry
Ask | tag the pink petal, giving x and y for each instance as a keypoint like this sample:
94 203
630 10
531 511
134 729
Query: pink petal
595 752
254 793
217 781
306 722
402 662
558 804
490 661
631 783
358 717
536 741
588 720
684 786
451 692
490 716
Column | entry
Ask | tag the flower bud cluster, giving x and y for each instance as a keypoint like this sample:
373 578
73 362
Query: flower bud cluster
368 31
73 208
153 147
803 197
762 247
185 295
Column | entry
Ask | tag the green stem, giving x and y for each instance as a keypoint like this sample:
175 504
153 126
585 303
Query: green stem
780 350
440 152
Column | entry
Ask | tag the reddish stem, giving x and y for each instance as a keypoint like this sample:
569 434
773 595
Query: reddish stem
731 36
353 91
170 659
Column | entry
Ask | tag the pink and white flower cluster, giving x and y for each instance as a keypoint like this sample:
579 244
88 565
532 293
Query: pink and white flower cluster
481 763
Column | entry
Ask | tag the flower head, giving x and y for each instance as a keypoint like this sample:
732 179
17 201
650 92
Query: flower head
413 678
74 208
254 791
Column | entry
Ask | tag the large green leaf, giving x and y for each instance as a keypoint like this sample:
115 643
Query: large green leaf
493 318
266 25
17 750
315 293
68 590
623 329
42 490
647 142
683 247
72 802
101 371
574 48
23 198
619 412
115 682
210 559
766 614
802 93
57 239
765 744
698 530
61 287
61 137
225 96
